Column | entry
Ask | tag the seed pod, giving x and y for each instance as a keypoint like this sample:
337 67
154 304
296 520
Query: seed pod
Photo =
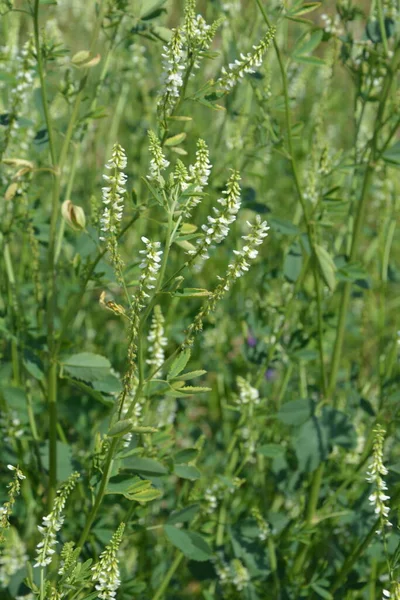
73 215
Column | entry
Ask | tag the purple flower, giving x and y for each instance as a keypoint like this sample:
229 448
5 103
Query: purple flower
251 341
270 374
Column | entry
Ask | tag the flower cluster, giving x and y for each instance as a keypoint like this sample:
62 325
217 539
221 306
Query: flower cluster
332 25
158 161
150 264
233 574
394 594
248 395
24 82
173 66
241 575
182 54
106 571
113 193
199 34
14 489
217 227
197 177
215 492
13 557
390 9
241 264
258 231
157 340
53 523
247 63
375 474
10 426
68 557
264 528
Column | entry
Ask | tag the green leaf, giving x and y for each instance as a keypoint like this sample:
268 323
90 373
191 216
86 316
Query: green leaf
150 8
306 46
88 389
144 496
392 155
191 375
133 488
311 445
186 455
309 60
121 484
187 472
191 544
283 226
271 450
175 139
322 592
305 8
190 389
64 463
192 292
295 412
185 515
144 429
326 266
179 364
120 428
16 399
87 366
339 427
146 466
293 263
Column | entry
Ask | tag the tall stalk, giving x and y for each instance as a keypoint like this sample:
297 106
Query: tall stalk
359 222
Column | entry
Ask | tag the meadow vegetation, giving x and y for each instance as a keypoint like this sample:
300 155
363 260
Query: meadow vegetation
199 300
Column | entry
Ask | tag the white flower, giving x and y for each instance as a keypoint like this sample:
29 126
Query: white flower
246 64
158 161
217 227
197 176
150 264
53 523
241 264
173 63
375 474
247 393
13 557
113 193
18 473
241 575
157 339
106 571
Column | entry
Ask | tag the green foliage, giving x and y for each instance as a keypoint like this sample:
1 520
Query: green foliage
195 404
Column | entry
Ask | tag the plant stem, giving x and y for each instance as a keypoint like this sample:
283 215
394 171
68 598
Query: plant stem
168 576
349 562
51 291
359 220
382 27
314 494
42 83
100 494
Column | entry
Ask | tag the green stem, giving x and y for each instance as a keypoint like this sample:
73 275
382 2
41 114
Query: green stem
357 552
168 576
42 83
314 494
359 220
320 317
382 27
14 307
100 494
